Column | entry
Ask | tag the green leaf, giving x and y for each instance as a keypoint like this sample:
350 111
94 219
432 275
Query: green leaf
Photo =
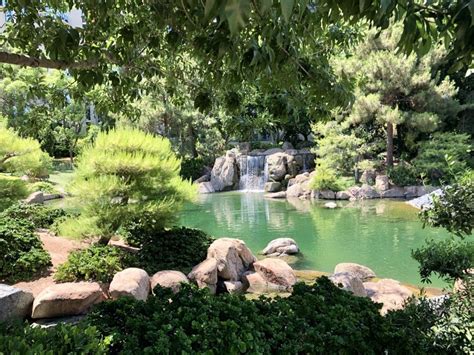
287 8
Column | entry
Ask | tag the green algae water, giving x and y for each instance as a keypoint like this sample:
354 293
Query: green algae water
377 233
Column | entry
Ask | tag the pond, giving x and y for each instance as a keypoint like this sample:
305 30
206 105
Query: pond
377 233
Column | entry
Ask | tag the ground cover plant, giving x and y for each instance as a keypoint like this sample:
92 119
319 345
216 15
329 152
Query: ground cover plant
40 216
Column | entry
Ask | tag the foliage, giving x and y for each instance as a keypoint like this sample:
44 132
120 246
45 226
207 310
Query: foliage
449 258
192 169
40 216
454 148
453 210
96 263
325 178
43 186
63 338
12 189
22 155
402 174
22 252
76 227
127 173
173 249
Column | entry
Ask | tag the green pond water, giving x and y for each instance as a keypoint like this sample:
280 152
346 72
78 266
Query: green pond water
378 233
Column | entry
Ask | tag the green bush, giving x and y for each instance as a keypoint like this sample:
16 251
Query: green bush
402 174
20 338
315 319
325 178
443 156
127 173
43 186
174 249
192 168
22 253
12 189
76 226
96 263
39 215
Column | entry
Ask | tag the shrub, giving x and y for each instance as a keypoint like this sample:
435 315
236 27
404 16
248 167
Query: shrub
22 253
402 174
76 227
22 155
174 249
20 338
96 263
42 186
325 179
454 147
127 173
12 189
39 215
192 169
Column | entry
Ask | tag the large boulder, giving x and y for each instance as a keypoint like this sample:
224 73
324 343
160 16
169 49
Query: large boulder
276 271
232 256
224 174
272 151
234 286
325 194
342 195
367 192
35 198
256 283
14 303
281 246
67 299
368 177
272 186
425 201
389 292
349 282
277 165
131 282
169 279
330 205
299 179
362 272
205 187
394 192
294 191
382 183
205 274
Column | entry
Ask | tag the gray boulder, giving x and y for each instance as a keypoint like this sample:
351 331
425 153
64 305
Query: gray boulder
205 274
168 279
35 198
131 282
349 282
382 183
14 303
394 192
362 272
342 195
272 186
224 174
281 246
205 188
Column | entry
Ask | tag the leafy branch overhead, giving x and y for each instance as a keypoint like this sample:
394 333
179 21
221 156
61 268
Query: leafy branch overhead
123 41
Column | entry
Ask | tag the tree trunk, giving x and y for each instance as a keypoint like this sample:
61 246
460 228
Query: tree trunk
389 145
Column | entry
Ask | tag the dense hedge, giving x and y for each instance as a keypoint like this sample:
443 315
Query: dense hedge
12 189
22 254
40 216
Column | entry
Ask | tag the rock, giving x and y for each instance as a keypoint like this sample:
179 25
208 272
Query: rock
362 272
205 274
460 284
368 177
330 205
234 286
342 195
294 191
382 183
325 194
131 282
411 192
299 179
276 271
244 147
272 186
277 165
281 246
14 303
224 175
49 197
257 284
281 194
205 188
272 151
425 189
287 145
169 279
367 192
349 282
232 256
425 201
388 292
394 192
35 198
204 178
67 299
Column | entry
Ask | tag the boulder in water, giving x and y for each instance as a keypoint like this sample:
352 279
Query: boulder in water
272 186
362 272
281 246
224 175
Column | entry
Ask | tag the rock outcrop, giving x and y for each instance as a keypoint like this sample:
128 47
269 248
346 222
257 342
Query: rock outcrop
169 279
205 187
281 247
388 292
362 272
14 303
276 271
349 282
35 198
205 274
131 282
67 299
225 174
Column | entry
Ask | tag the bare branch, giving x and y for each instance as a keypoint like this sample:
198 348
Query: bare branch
26 61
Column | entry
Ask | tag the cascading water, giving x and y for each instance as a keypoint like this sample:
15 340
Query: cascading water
253 172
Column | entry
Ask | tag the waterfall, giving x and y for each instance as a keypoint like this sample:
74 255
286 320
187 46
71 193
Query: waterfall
253 172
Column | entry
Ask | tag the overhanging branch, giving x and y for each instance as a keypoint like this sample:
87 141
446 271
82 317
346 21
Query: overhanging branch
26 61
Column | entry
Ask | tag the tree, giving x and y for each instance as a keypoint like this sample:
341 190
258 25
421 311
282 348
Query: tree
126 175
399 92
